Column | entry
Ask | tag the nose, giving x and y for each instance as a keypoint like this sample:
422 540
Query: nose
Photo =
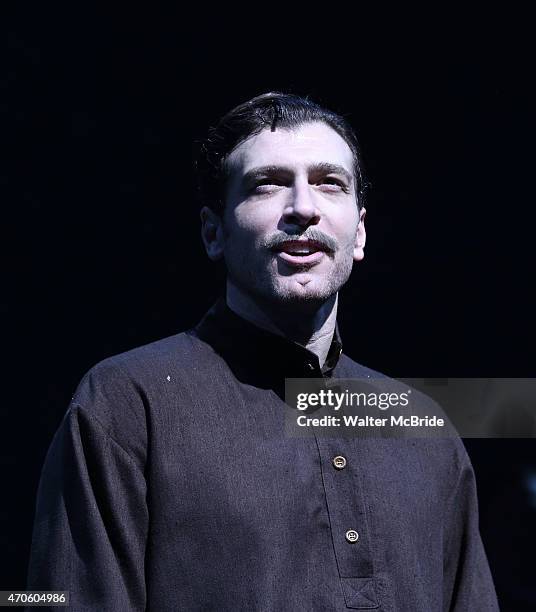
301 209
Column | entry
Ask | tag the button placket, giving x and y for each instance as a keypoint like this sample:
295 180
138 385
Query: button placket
346 508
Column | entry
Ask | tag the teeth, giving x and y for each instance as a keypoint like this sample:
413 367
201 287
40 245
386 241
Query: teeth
296 249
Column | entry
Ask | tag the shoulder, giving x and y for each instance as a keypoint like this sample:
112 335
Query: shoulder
118 393
147 360
444 450
139 366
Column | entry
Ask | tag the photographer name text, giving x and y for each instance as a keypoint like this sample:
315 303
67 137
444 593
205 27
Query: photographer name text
369 421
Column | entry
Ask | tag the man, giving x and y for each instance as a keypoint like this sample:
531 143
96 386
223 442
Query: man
171 484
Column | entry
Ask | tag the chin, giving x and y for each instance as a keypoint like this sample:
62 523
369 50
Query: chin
294 291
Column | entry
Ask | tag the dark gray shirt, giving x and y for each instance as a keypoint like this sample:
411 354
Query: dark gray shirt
171 485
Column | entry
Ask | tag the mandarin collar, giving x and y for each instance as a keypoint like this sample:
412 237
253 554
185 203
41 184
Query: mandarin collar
258 356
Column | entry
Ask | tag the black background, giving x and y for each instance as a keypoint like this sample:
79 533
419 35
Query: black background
101 237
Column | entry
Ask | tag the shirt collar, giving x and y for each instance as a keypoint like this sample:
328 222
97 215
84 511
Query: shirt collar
260 356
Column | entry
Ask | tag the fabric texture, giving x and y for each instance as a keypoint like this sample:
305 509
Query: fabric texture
171 485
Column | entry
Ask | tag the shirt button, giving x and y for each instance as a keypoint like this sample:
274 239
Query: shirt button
339 462
352 536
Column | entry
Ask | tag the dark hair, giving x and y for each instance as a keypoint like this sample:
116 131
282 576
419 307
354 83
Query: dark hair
268 110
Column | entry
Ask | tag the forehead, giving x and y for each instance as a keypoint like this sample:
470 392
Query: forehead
308 144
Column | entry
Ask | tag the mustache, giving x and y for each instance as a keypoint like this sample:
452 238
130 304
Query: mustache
312 233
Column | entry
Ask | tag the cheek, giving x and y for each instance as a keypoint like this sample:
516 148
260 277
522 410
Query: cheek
241 236
254 221
344 227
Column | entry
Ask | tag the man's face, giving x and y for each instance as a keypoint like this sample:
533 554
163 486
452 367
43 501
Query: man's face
291 228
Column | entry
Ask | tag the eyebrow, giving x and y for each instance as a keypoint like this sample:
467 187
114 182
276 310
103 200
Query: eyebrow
319 168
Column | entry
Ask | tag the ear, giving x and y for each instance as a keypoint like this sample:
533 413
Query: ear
212 233
361 237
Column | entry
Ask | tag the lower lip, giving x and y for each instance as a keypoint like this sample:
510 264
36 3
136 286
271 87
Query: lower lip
301 260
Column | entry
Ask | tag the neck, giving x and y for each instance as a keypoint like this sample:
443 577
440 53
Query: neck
311 327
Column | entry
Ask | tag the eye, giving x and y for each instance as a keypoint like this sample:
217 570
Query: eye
266 185
333 185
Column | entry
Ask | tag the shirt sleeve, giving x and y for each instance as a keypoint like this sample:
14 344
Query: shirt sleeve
468 584
91 519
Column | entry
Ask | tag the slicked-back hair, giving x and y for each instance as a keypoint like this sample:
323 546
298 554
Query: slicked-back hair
267 111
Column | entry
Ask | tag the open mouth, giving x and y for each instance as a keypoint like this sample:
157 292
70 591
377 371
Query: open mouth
301 252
